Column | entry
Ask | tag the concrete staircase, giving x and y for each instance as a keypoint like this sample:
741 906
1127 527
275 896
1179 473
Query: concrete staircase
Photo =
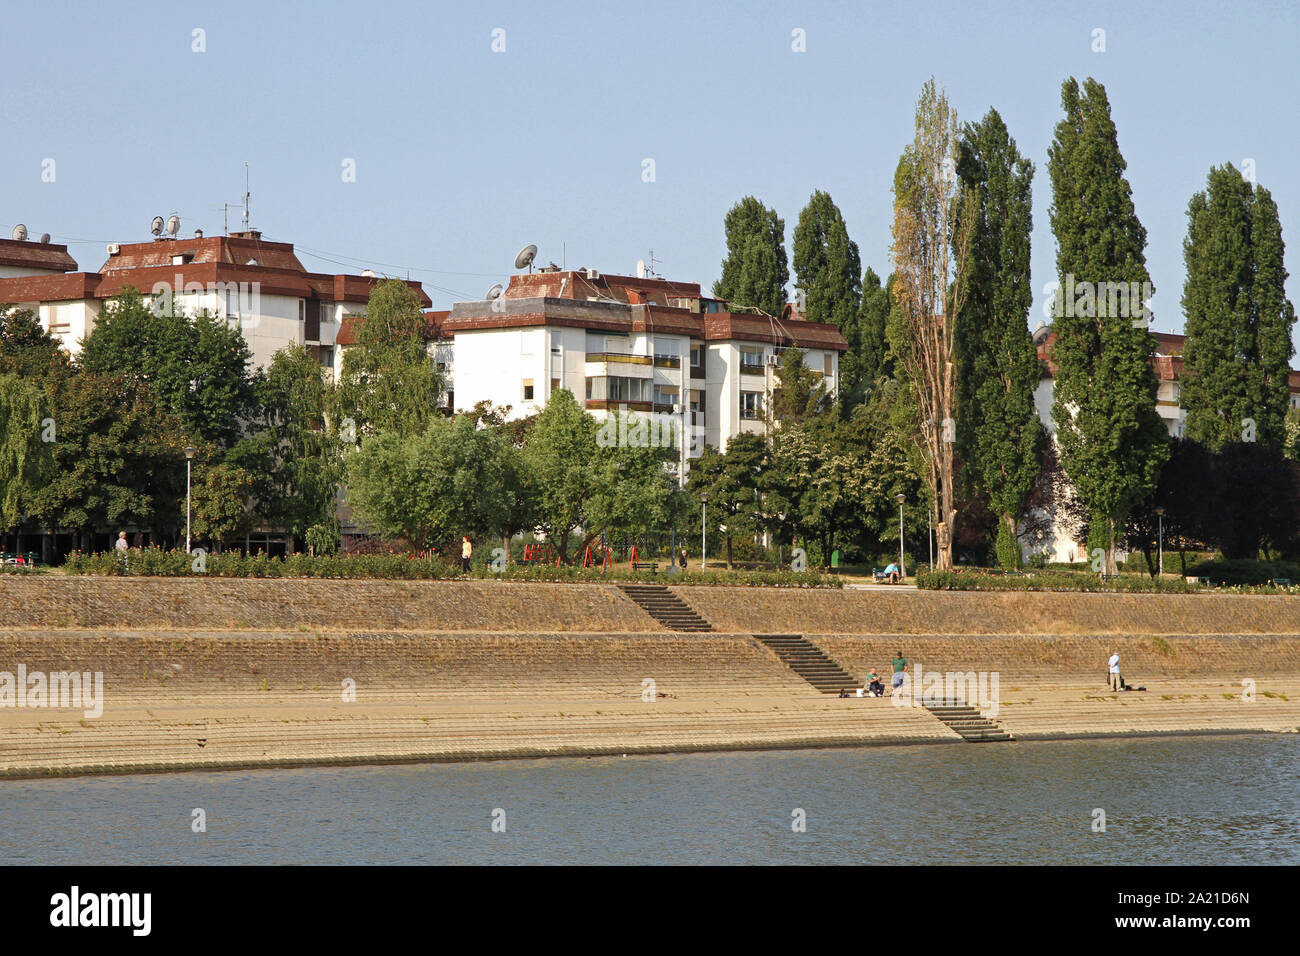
965 719
809 662
666 607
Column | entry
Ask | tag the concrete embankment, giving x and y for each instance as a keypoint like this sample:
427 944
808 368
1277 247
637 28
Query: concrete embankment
234 673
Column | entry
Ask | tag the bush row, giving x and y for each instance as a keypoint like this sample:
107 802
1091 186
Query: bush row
1067 581
155 562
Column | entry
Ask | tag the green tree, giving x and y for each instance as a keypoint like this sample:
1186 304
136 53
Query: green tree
388 381
118 459
1112 442
452 479
26 349
999 437
827 265
1238 319
731 482
755 271
195 367
26 461
868 358
219 503
294 454
799 393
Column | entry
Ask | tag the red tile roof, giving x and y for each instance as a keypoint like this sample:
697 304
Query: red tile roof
25 254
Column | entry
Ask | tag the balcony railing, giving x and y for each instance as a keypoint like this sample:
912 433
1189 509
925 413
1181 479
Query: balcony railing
668 361
618 357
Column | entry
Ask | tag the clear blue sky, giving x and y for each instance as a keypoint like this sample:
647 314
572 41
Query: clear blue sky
463 155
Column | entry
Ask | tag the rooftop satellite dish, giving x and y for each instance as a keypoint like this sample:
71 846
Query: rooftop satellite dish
20 232
640 268
45 237
156 227
526 256
494 292
173 225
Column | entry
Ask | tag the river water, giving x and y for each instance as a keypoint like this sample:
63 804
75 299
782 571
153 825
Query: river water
1187 800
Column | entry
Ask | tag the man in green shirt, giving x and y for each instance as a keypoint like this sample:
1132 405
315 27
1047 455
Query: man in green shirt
900 668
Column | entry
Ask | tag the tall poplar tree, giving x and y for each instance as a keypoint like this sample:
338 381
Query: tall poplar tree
930 256
1238 319
998 433
827 266
756 270
1112 442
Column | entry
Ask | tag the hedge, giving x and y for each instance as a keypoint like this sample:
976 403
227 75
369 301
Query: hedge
155 562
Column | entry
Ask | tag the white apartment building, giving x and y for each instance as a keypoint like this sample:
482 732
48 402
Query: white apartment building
261 286
623 344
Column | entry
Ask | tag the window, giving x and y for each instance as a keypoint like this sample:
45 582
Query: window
616 388
751 404
829 370
555 384
697 361
528 390
665 397
668 353
751 360
697 406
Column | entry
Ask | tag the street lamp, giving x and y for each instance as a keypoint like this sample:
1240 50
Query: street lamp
704 541
189 457
1160 514
902 563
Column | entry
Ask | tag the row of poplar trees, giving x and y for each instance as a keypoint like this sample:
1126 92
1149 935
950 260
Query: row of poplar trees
951 321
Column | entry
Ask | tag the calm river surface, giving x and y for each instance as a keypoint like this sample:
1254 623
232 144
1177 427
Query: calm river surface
1207 800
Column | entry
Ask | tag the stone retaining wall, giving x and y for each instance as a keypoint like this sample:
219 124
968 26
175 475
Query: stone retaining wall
776 611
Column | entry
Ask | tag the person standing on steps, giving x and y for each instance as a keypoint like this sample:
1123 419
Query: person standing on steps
1116 681
900 668
466 552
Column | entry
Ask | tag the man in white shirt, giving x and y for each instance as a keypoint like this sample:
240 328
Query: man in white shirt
1116 682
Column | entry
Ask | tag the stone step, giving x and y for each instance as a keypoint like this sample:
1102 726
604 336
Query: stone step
809 662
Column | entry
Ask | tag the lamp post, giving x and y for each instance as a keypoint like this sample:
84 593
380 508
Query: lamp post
902 563
1160 514
189 457
704 541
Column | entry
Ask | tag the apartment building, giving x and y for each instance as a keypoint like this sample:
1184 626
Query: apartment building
630 344
258 285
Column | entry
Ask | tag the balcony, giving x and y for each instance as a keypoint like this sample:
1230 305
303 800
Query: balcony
622 357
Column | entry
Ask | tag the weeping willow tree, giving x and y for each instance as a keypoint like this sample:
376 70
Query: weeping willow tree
929 255
26 436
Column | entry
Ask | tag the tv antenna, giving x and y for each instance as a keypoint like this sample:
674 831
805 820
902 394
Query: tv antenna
247 195
526 256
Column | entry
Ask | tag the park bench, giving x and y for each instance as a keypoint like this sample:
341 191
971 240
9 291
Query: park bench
1110 577
1282 582
879 574
651 566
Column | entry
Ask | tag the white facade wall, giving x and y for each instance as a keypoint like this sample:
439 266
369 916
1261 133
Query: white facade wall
68 322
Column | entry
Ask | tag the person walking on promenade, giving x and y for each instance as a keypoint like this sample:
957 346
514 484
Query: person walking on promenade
1116 681
121 541
900 668
466 552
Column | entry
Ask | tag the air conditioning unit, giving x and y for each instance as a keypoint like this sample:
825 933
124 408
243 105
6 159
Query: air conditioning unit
114 248
774 361
593 274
